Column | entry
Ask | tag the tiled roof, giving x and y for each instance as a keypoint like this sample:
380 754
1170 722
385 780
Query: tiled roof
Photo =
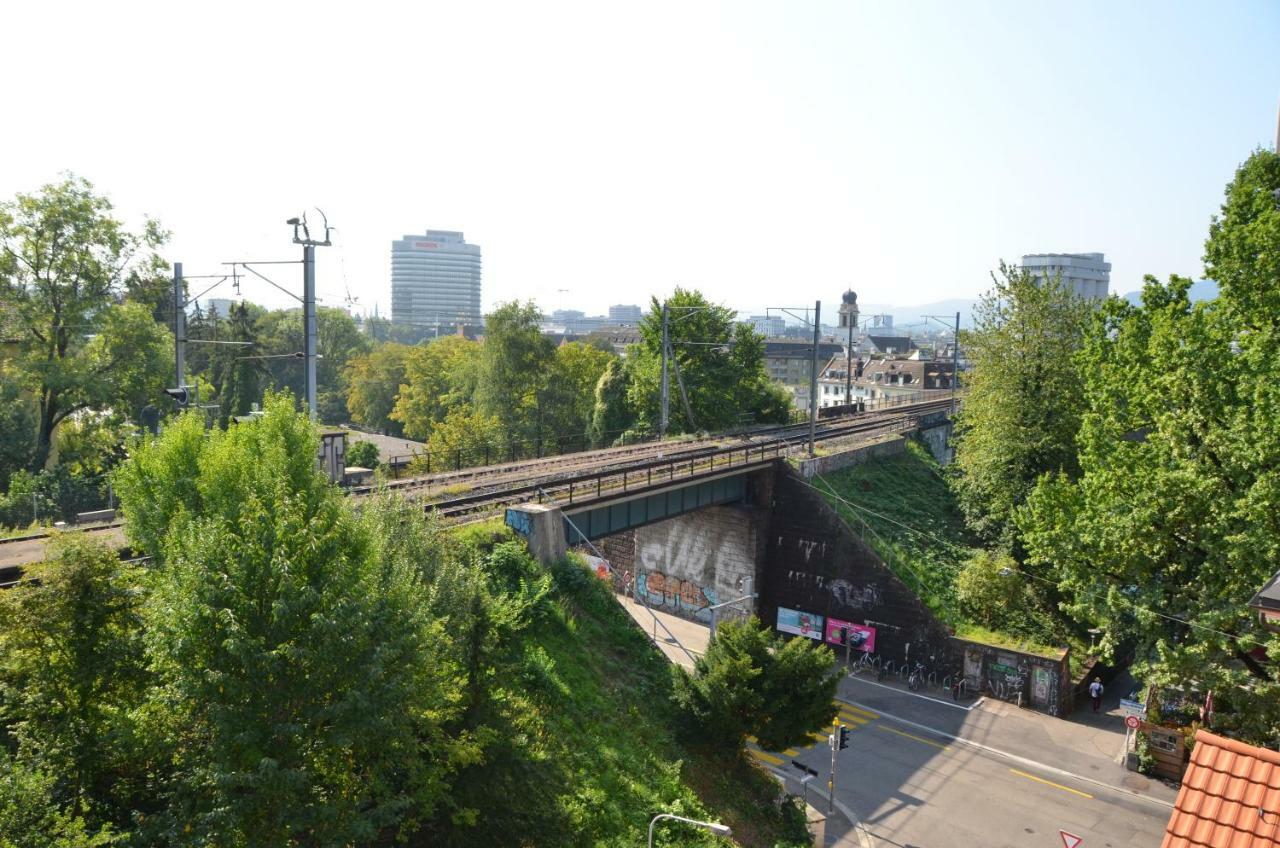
1269 596
1230 797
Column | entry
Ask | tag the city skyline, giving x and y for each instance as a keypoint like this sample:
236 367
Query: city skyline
884 148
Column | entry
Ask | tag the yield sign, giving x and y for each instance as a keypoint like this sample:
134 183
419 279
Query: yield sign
1070 840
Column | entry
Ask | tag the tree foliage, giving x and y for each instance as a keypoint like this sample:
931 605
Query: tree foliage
752 682
71 669
302 666
437 376
64 260
237 373
720 361
1022 397
1174 521
374 382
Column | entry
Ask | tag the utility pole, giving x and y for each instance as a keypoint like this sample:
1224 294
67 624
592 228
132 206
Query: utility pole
848 369
955 366
666 388
309 246
179 325
813 379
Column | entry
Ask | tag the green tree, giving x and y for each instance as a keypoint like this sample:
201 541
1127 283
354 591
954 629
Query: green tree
63 264
338 340
466 437
363 455
751 682
720 361
612 414
71 667
991 590
1174 522
515 361
17 429
437 377
568 398
237 373
29 818
299 659
1022 398
373 386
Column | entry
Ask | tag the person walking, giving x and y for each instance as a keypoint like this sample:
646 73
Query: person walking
1095 692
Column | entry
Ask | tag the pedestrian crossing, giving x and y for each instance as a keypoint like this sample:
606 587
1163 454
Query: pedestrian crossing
850 716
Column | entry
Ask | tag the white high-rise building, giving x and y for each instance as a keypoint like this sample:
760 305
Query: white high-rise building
1087 275
435 281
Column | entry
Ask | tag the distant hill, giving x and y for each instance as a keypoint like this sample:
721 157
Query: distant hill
1200 290
904 315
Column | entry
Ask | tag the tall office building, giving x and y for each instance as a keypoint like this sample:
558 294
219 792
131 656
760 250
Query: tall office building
1087 275
625 314
435 281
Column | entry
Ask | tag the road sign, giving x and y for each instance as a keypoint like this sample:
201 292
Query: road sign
1129 707
1132 722
1070 840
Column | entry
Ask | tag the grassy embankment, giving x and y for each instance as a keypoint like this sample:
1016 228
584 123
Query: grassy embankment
603 749
904 508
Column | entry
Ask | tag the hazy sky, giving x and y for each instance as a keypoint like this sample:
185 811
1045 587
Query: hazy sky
769 154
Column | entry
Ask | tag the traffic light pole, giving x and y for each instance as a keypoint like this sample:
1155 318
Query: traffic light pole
831 798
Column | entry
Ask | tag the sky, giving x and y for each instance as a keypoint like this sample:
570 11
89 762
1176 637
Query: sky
768 154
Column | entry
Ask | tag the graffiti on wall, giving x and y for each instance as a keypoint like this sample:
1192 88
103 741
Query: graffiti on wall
855 597
521 522
681 596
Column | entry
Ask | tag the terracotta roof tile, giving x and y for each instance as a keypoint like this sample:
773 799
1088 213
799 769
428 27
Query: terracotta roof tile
1226 786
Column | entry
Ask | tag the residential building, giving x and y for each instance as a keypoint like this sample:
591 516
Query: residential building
790 362
435 281
1267 603
1087 275
617 336
893 378
625 314
1230 796
889 345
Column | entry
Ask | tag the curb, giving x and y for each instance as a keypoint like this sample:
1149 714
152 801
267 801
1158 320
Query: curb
1014 757
855 823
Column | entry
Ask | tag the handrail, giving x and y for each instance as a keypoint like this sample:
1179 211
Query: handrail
656 620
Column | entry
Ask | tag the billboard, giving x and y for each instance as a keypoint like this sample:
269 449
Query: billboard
806 624
861 638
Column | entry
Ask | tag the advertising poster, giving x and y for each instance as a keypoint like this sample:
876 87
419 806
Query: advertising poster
861 638
806 624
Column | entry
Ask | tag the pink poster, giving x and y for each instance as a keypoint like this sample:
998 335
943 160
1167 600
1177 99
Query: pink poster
861 638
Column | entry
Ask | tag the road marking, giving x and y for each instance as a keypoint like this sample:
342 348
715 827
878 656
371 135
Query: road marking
852 710
768 758
1028 761
791 752
913 736
856 719
820 737
1051 783
951 704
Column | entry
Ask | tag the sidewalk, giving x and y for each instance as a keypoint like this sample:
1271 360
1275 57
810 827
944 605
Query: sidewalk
691 635
1083 745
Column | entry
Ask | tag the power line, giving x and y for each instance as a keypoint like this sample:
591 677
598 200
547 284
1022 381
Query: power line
1024 572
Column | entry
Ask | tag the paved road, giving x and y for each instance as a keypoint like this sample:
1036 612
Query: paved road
914 789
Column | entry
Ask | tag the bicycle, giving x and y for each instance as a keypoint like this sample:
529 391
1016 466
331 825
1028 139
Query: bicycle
864 662
916 679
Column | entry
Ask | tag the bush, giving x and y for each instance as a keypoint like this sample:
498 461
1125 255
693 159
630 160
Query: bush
363 455
751 682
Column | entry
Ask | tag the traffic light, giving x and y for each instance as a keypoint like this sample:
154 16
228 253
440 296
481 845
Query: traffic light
844 737
179 394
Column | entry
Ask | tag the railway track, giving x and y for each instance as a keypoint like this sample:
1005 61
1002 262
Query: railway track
492 487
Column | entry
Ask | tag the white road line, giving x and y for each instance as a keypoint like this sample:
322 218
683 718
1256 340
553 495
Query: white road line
1014 757
929 698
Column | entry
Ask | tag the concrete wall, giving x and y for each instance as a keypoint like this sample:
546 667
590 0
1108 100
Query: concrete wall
815 563
691 562
1042 683
888 446
938 440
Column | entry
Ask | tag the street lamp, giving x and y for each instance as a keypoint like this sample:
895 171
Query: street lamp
714 827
